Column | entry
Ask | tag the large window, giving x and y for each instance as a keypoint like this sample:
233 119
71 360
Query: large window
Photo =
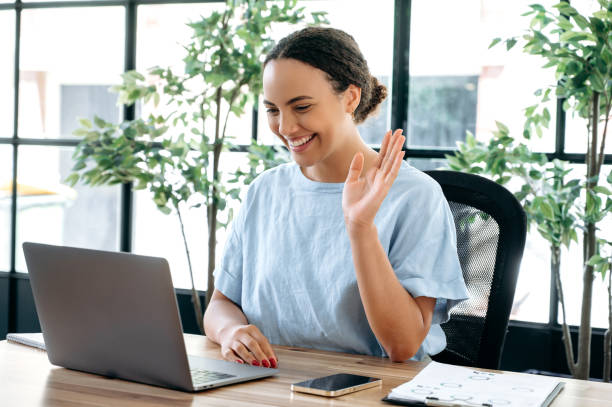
7 67
6 187
442 81
50 212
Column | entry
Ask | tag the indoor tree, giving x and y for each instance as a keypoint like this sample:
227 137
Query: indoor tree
579 49
175 151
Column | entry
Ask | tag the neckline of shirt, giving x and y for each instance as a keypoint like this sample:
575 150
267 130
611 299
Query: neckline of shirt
303 182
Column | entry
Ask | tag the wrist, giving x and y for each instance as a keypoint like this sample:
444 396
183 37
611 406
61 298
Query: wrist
357 230
223 332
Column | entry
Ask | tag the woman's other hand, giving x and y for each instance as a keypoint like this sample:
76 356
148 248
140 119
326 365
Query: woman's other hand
362 196
246 344
226 324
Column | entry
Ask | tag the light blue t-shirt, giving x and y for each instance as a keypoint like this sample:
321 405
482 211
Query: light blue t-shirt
287 261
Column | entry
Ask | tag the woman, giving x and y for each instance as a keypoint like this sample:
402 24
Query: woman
344 249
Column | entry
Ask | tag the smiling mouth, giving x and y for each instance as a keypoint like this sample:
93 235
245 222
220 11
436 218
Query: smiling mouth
301 144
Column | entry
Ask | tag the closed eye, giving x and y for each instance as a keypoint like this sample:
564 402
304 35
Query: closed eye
302 108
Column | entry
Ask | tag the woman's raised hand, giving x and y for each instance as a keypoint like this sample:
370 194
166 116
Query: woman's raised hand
246 344
362 196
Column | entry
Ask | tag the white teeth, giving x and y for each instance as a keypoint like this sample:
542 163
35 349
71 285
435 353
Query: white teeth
301 141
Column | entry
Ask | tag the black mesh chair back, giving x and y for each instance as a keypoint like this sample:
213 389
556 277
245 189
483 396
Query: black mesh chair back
491 231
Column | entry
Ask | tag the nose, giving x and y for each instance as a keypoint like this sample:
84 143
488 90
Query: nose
287 124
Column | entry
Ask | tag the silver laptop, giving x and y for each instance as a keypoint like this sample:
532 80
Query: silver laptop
115 314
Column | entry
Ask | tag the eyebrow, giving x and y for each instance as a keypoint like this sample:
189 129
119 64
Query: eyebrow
293 100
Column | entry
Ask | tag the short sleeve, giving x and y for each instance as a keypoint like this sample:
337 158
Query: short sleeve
228 276
423 250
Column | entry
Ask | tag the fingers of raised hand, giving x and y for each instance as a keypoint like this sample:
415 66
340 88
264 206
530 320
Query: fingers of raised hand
383 148
395 150
355 168
397 163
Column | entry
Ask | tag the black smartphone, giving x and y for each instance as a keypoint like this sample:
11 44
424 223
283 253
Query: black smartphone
336 384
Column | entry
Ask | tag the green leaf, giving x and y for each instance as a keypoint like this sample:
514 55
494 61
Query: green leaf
99 122
602 190
596 259
502 128
494 42
510 43
72 179
86 123
597 83
547 210
79 166
165 210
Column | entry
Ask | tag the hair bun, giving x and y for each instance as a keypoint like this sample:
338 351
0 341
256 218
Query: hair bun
378 93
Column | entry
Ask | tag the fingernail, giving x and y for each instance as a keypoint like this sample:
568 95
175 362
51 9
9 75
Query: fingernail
265 363
240 361
273 362
255 363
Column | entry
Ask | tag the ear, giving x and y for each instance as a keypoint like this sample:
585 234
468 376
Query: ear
352 97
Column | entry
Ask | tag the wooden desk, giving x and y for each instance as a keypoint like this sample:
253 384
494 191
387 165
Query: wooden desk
28 379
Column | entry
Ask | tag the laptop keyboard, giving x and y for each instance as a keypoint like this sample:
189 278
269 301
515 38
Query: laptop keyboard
201 376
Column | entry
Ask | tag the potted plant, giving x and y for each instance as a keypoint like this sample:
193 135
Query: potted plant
579 48
176 153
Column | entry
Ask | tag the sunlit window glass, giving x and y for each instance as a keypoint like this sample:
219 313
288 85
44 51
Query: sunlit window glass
372 28
48 211
457 84
578 135
158 234
426 164
7 67
162 34
532 294
6 184
69 59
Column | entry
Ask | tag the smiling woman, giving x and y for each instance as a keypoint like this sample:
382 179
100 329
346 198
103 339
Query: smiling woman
345 249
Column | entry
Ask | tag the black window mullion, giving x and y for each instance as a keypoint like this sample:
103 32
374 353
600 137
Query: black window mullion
12 289
553 311
401 59
255 120
129 113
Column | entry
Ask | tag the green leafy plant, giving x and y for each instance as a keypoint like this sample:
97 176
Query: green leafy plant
579 48
175 151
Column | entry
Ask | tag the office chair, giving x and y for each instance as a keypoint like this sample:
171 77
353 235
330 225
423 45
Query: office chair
491 230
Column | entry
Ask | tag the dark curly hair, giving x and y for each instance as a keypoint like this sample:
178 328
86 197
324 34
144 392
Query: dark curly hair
337 54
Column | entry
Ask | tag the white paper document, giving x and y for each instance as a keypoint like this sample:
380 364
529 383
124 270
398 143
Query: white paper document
31 339
458 385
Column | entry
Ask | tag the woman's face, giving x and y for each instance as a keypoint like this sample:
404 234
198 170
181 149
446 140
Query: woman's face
304 111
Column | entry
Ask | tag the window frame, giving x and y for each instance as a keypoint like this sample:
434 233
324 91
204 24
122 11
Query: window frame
399 119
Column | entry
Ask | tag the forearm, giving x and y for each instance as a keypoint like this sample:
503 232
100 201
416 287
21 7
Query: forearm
393 314
221 314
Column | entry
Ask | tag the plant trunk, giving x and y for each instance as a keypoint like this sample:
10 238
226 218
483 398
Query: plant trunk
608 335
555 265
195 298
590 240
213 207
212 244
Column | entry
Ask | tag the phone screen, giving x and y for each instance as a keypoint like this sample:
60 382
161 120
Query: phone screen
336 382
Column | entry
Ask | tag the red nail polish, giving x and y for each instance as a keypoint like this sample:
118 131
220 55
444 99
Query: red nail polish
255 363
273 362
265 363
240 361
